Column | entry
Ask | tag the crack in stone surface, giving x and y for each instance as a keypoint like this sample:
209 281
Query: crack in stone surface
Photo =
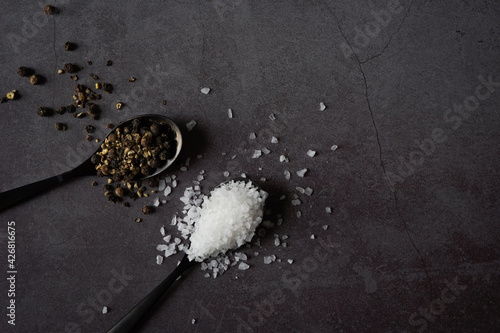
390 38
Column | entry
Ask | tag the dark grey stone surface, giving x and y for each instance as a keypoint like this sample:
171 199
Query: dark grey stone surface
412 242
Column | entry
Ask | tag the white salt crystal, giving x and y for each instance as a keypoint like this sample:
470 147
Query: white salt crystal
191 124
173 177
243 266
290 261
233 157
187 161
300 189
167 238
301 173
279 222
161 185
226 173
272 116
296 202
299 213
252 136
104 309
230 113
163 202
322 106
313 237
156 203
283 197
274 139
162 231
283 158
311 153
265 150
334 147
308 191
174 183
287 174
243 175
328 210
167 191
325 227
257 153
284 237
263 179
159 260
183 168
193 321
199 156
200 177
205 90
276 242
207 275
268 260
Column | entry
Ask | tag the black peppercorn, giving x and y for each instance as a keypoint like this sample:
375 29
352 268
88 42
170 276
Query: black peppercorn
94 183
44 112
68 46
126 204
71 68
79 88
89 129
109 63
36 79
61 127
49 10
107 87
147 210
25 71
4 99
61 110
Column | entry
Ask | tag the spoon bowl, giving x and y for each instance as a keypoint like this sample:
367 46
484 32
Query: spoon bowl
17 195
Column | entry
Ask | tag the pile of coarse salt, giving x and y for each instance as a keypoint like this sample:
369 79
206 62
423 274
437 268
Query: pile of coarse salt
226 220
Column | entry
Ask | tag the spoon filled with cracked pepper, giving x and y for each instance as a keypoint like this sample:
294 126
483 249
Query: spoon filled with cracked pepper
138 148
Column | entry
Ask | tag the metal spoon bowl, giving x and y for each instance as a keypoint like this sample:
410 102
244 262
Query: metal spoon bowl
87 168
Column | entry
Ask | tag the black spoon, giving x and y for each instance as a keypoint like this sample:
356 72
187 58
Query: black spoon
87 168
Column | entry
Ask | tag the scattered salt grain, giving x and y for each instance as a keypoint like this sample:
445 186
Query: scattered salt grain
290 261
167 191
272 116
205 90
301 173
226 173
276 242
322 106
104 309
313 237
325 227
191 124
269 259
287 174
257 153
311 153
161 185
156 203
328 210
167 238
334 147
283 197
159 260
230 113
300 189
243 175
265 150
200 178
283 158
199 156
162 231
183 168
308 191
296 202
274 139
193 321
279 222
299 213
243 266
174 183
252 136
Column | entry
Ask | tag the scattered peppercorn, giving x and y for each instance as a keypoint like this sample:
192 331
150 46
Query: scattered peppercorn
61 127
107 87
44 112
68 46
89 129
49 10
89 62
109 63
36 79
12 95
25 71
153 182
109 126
119 191
132 79
164 102
94 183
61 110
89 138
95 77
126 204
70 108
119 105
72 68
147 210
74 77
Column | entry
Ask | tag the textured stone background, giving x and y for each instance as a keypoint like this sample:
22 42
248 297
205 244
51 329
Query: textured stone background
412 242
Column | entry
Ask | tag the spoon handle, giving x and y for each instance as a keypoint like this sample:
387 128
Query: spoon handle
134 316
14 196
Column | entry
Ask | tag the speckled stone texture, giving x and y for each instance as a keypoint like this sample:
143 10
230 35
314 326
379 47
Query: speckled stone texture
411 90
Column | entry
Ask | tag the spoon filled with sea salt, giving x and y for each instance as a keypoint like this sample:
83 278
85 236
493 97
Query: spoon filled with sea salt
138 148
225 221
